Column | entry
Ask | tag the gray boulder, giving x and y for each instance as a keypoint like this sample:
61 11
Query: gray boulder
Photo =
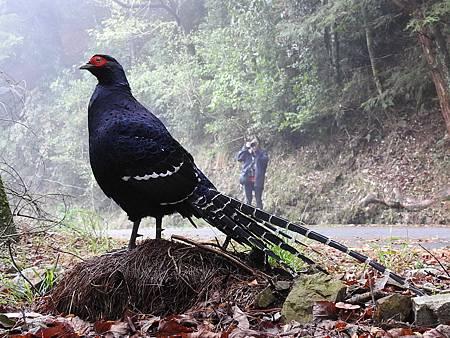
307 290
395 306
432 310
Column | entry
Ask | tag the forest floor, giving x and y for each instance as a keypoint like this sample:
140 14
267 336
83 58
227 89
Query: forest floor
46 259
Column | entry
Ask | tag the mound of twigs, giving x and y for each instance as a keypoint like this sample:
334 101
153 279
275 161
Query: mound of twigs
158 277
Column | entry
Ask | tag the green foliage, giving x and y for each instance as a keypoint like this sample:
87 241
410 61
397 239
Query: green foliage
397 255
14 294
90 227
49 279
293 262
240 74
433 14
17 290
305 91
9 38
7 43
218 71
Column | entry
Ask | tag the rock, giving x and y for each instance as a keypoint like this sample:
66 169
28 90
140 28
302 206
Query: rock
431 310
265 298
35 275
395 306
307 290
283 285
444 330
32 274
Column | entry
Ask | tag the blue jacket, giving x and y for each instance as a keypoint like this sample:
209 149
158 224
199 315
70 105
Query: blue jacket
253 165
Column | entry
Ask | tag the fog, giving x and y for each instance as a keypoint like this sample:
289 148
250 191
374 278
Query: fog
44 96
216 72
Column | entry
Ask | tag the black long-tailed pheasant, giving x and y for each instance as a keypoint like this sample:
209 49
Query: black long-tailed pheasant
147 172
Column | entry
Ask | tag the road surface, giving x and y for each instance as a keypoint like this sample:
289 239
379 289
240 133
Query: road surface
428 236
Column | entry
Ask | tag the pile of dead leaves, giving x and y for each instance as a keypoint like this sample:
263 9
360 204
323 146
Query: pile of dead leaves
159 277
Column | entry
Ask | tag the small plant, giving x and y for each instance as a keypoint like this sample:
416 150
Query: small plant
293 262
89 227
13 293
50 277
397 256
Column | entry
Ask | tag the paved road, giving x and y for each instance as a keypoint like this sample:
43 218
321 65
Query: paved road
429 236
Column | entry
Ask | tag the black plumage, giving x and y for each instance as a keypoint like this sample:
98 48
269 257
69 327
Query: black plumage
147 172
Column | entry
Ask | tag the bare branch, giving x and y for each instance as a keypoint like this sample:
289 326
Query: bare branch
434 256
408 203
11 256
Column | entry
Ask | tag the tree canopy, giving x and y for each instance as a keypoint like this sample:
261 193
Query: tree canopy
215 71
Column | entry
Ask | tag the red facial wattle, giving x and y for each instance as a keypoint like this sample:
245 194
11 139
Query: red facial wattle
98 61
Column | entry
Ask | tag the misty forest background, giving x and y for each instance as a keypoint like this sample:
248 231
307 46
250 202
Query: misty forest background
342 94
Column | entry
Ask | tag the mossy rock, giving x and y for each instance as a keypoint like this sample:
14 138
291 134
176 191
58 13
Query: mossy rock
307 290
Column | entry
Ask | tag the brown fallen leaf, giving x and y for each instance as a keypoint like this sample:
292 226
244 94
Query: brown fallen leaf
58 329
340 325
172 325
368 313
207 334
377 332
80 326
102 326
241 318
112 327
324 309
364 335
400 332
238 333
346 306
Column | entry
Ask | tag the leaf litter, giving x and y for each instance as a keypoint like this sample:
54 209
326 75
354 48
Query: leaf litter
206 310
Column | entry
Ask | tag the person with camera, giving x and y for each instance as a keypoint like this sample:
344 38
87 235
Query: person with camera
253 174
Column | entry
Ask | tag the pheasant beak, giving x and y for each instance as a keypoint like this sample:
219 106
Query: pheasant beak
87 66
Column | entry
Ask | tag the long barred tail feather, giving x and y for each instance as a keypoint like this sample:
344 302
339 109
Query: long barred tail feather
289 237
233 224
258 227
270 238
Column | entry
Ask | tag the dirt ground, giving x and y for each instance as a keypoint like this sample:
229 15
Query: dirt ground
322 181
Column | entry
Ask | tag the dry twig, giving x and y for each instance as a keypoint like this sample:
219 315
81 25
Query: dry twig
223 254
11 256
434 256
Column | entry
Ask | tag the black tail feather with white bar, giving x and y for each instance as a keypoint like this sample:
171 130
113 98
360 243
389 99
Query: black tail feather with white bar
246 231
249 225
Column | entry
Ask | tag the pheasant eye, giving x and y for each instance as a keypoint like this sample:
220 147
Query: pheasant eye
98 61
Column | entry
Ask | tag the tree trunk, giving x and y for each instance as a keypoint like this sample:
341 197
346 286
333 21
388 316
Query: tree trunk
336 55
331 41
6 221
371 50
435 51
327 41
436 54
